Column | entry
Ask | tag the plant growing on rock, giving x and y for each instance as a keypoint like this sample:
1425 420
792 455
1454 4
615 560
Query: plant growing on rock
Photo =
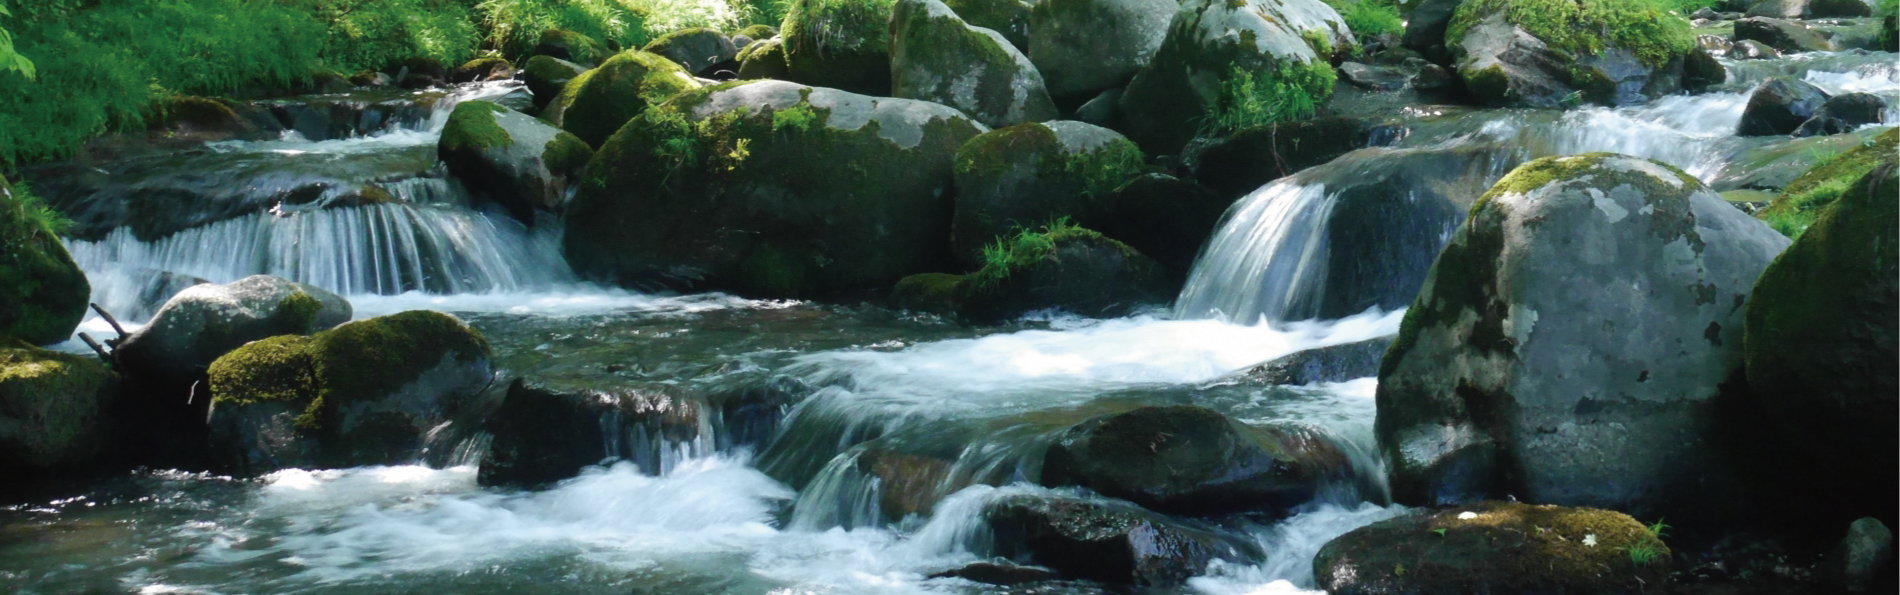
1288 93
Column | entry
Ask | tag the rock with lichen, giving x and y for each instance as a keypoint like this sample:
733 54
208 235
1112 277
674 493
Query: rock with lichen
1496 547
51 408
205 321
1545 53
764 59
936 56
368 392
769 189
519 162
1571 342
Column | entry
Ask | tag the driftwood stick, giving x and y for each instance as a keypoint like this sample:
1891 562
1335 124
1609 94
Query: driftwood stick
103 354
110 320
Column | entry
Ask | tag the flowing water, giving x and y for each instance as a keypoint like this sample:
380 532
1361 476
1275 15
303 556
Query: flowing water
1325 257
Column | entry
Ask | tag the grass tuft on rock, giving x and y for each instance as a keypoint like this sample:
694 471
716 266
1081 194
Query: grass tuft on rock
1283 94
1587 27
1801 202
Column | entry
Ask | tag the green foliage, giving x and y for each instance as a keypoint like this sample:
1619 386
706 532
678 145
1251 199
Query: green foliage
1370 18
1289 92
824 26
29 213
12 61
1024 249
1586 27
1803 199
515 26
1106 168
1649 546
798 117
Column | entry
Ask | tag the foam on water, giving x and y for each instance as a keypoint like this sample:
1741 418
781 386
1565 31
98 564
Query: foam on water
567 299
1290 546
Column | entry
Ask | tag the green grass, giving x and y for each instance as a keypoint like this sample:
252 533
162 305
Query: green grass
1649 547
1370 18
1250 99
1801 201
1024 249
33 213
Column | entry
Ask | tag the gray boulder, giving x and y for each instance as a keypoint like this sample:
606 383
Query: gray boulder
699 50
1779 107
546 76
1425 28
1809 9
1843 113
1571 346
519 162
936 56
1505 65
1863 559
1084 47
206 321
1749 49
1784 35
1010 18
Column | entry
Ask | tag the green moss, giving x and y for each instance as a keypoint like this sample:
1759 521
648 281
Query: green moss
1276 94
566 153
300 310
275 369
472 127
1105 168
665 42
580 47
1586 27
843 44
759 32
1802 200
43 294
49 403
598 102
941 293
1561 538
1025 249
799 117
483 63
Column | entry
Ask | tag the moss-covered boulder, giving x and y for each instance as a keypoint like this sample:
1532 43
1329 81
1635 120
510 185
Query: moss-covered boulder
487 68
770 189
1498 548
51 407
42 291
1779 106
1572 343
1059 267
699 50
1844 113
1555 53
1803 199
1784 35
841 44
1107 541
1009 18
596 103
571 46
1164 217
1222 55
764 59
1085 47
544 433
519 162
364 393
1027 175
1822 332
546 76
937 57
205 321
1193 461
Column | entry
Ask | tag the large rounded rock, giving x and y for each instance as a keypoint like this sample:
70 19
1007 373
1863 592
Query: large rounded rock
1784 35
699 50
1821 336
937 57
1084 47
1193 461
1105 541
596 103
1024 176
842 44
42 291
1523 53
1497 548
771 189
545 76
206 321
366 393
1009 18
506 156
1779 106
1221 59
764 59
1572 342
51 407
1062 267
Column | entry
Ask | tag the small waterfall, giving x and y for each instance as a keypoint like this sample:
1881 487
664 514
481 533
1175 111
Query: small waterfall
1264 257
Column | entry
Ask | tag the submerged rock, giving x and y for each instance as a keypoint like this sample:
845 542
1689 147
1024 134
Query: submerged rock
52 408
937 57
43 294
1779 107
1105 541
519 162
365 393
991 573
1024 176
1821 338
841 44
1085 47
596 103
770 189
205 321
1194 461
544 434
1576 344
1498 548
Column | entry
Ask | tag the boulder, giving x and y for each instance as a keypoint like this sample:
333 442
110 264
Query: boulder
699 50
491 68
1499 548
1701 71
759 32
1809 193
1009 18
546 433
1843 113
1749 49
1188 460
769 189
1425 28
519 162
1333 363
1027 175
205 321
1576 343
596 103
841 44
1779 107
1614 52
1784 35
1084 47
937 57
571 46
907 483
1062 267
1221 60
1821 339
1238 163
546 76
365 393
1164 217
51 408
1374 77
1104 110
419 72
764 59
42 291
1106 542
1863 560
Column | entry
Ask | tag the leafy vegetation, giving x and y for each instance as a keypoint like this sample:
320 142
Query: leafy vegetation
1024 249
12 61
1586 27
1803 199
1370 18
1649 546
29 213
1249 99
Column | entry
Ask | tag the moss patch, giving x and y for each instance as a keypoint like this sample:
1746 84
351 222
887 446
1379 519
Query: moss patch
598 102
43 294
472 127
1586 27
1282 93
52 401
566 153
1802 200
843 44
1026 249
